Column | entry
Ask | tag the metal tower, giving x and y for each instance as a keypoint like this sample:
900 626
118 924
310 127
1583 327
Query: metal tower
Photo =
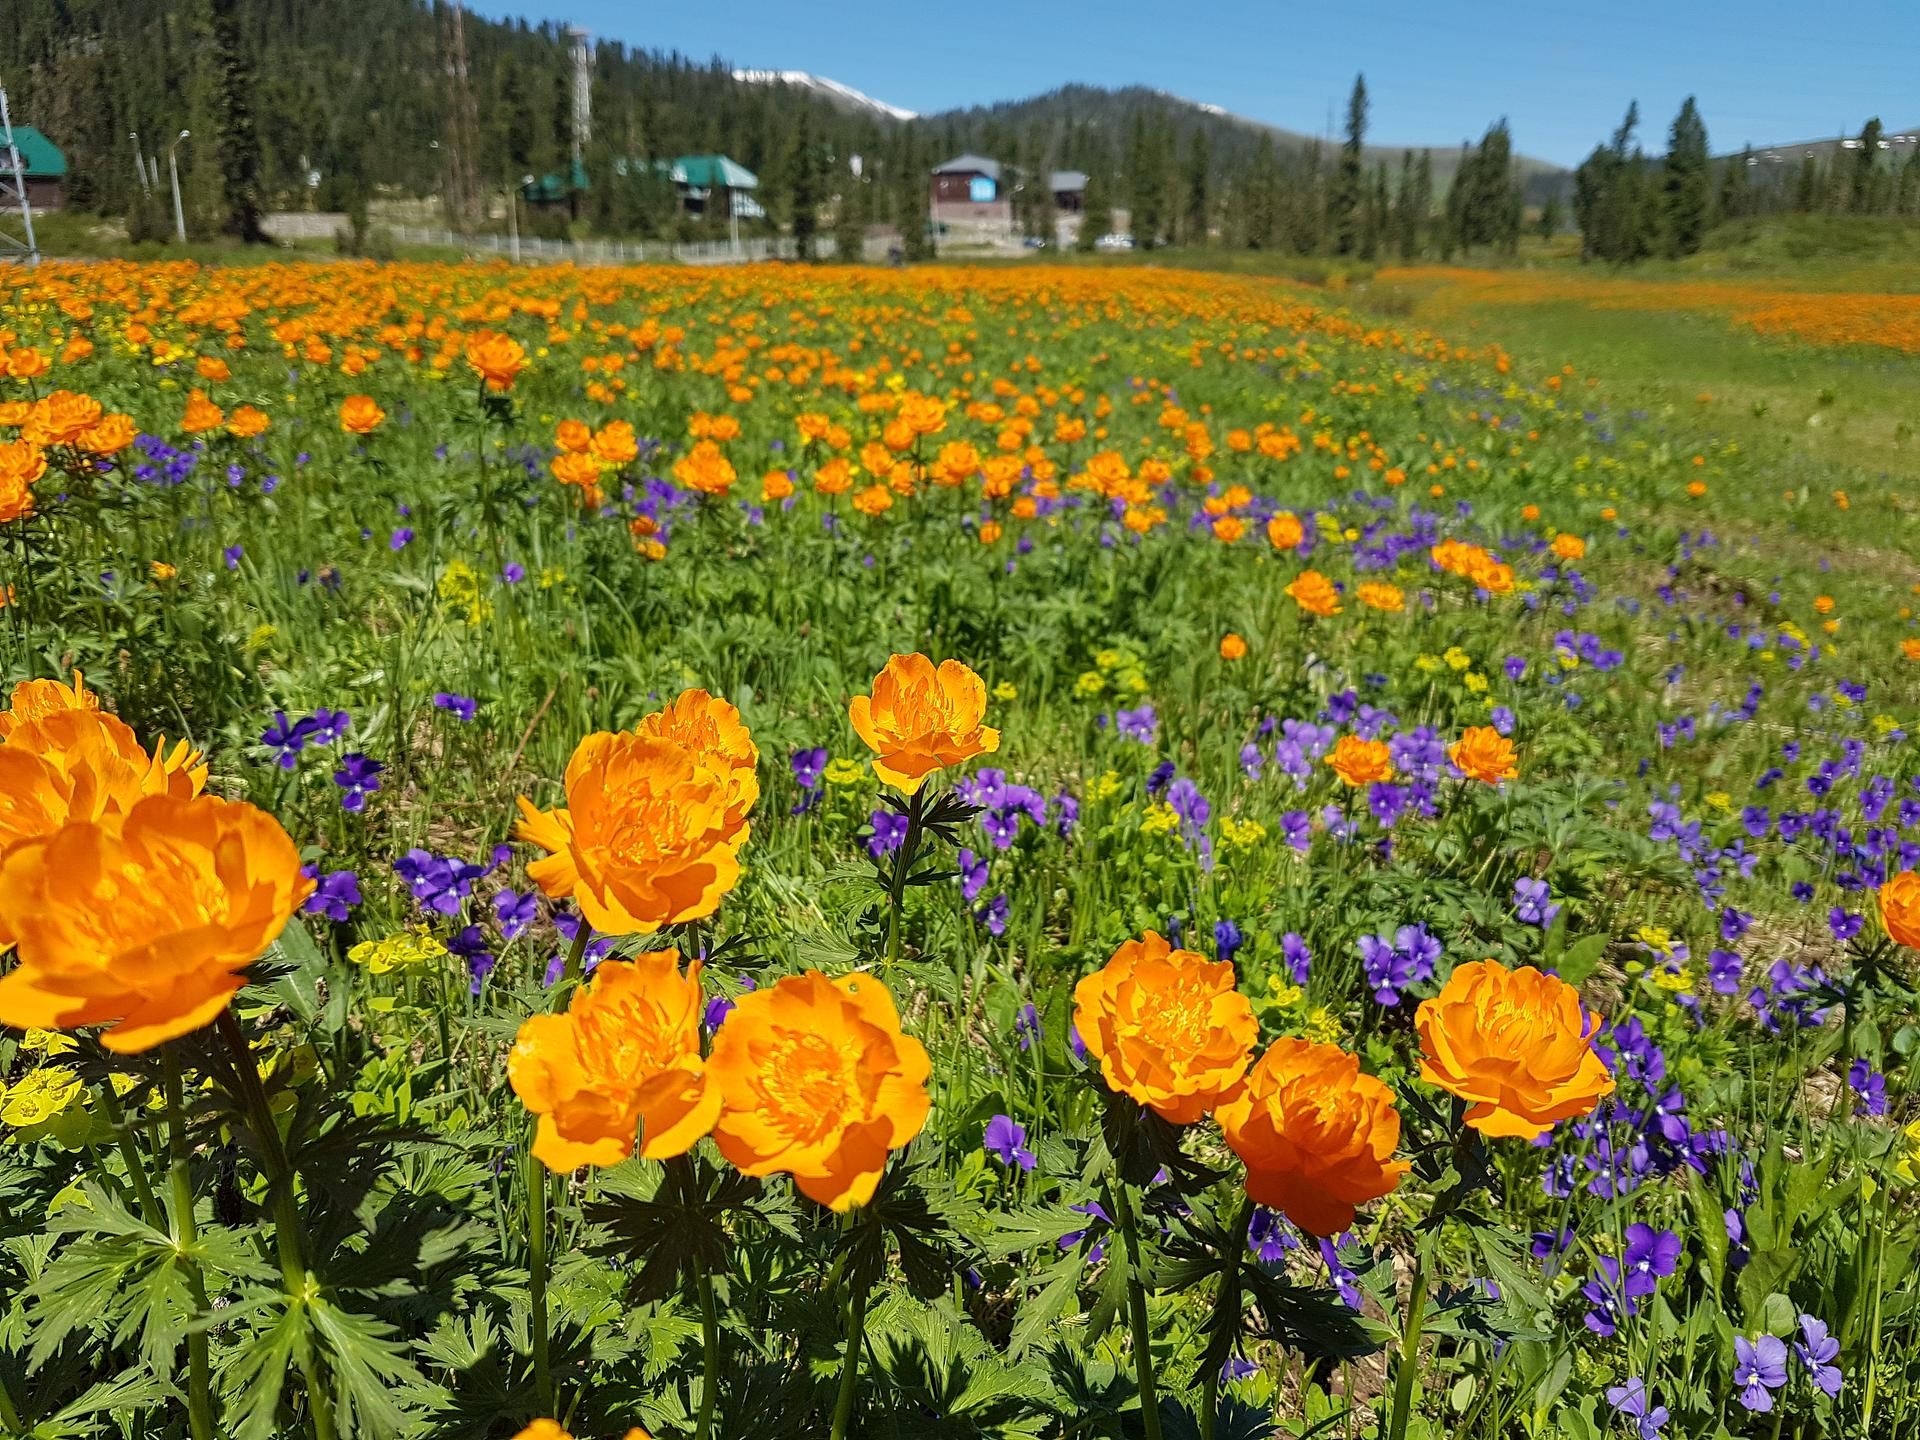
13 191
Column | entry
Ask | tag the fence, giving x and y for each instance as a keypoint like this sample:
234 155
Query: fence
533 250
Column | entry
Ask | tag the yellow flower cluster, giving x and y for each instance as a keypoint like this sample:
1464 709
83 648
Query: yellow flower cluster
397 951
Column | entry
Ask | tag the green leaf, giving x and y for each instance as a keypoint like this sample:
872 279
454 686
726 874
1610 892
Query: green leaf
1580 959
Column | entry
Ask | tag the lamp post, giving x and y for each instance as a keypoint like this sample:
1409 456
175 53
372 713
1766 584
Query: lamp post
139 163
173 169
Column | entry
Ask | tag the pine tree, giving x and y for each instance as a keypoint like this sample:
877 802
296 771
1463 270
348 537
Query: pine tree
1864 199
1349 180
803 180
1687 182
1736 182
1096 215
1257 215
1550 218
1199 167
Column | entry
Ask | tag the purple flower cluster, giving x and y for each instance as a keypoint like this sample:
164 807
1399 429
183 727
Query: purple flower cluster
1393 965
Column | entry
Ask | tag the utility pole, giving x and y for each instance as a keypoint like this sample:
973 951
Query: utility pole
173 169
582 91
12 159
139 164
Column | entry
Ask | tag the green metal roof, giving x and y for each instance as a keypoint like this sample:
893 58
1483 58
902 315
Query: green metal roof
707 172
38 154
553 188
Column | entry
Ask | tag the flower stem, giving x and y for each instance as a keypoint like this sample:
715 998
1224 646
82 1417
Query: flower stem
1228 1302
537 1276
9 1414
850 1364
186 1238
1137 1311
902 865
130 1156
1407 1365
289 1238
709 1359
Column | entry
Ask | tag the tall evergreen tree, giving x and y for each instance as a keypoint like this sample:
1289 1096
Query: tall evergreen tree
1736 182
1199 178
1096 215
1687 181
1349 180
1863 198
803 180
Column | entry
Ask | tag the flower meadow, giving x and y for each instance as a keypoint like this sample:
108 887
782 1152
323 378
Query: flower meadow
1000 852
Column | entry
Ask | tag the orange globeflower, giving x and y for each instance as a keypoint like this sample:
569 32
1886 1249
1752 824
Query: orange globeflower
873 501
62 417
711 728
1900 909
648 836
705 468
1379 595
1515 1044
111 435
624 1056
1483 753
245 422
775 485
573 435
201 414
1284 531
920 719
22 463
360 415
497 359
1569 547
923 415
1232 647
1910 647
1167 1027
143 922
818 1081
1314 593
1360 762
1316 1134
614 444
16 499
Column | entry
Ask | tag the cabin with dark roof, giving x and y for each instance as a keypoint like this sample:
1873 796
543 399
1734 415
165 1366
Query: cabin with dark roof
967 179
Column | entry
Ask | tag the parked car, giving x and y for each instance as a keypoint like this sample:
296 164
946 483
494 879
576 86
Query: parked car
1034 242
1114 242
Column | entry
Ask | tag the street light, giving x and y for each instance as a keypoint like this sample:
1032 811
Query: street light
173 169
139 163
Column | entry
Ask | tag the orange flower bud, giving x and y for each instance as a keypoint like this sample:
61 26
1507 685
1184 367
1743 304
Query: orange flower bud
1232 647
920 719
1316 1134
818 1081
1167 1027
1515 1044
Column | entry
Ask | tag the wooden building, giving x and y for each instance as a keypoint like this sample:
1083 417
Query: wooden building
967 179
43 165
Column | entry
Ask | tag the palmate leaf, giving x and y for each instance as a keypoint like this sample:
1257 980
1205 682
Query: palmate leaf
121 1274
1310 1320
91 1412
679 1230
255 1375
368 1367
1039 1317
940 1371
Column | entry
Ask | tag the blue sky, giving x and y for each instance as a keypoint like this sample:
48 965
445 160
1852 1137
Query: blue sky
1764 70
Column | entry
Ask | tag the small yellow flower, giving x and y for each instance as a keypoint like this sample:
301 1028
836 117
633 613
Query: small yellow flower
1655 938
1719 799
1240 834
1323 1025
1885 724
48 1042
1908 1168
1428 663
1159 819
1107 659
1456 658
845 772
1107 786
39 1096
1005 690
1090 683
1281 994
1474 681
1674 980
406 947
259 638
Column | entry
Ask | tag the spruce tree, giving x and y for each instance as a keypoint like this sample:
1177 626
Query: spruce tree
1096 215
1199 167
1863 198
1736 182
1349 180
1687 182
